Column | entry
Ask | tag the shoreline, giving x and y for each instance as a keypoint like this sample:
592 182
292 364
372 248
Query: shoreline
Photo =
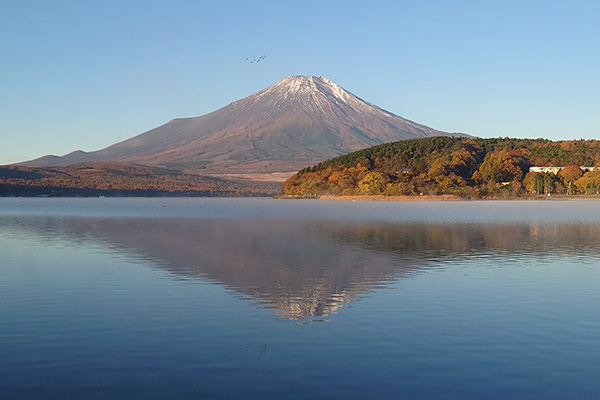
447 197
444 197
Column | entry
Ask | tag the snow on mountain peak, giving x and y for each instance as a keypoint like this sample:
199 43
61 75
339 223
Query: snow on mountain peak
314 93
307 84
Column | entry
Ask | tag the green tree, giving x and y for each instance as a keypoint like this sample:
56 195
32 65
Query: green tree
549 181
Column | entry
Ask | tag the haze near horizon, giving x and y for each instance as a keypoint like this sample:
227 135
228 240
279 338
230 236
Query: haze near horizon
87 75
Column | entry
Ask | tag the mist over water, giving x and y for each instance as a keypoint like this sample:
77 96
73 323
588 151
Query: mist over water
152 298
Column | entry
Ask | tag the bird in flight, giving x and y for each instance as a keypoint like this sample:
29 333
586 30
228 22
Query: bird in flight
256 60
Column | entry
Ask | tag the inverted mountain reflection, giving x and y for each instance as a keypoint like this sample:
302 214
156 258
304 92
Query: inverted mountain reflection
310 268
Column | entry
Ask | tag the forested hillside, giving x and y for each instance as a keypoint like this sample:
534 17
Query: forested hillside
466 167
115 179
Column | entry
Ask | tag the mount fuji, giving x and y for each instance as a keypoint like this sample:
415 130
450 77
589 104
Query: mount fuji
297 122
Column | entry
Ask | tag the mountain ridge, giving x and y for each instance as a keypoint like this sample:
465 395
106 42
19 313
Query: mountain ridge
297 121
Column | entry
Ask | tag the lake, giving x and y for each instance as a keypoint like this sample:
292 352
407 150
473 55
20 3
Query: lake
262 298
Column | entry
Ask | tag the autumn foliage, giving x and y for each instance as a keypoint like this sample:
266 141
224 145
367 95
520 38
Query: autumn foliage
117 179
466 167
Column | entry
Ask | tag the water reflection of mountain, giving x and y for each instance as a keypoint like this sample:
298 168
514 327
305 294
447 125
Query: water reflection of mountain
311 268
294 267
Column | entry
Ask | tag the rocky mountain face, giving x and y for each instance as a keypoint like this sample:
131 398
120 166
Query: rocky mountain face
297 122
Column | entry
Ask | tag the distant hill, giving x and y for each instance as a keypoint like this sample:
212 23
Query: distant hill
466 167
296 122
115 179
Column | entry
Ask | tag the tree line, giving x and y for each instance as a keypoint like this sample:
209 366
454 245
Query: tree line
465 167
117 179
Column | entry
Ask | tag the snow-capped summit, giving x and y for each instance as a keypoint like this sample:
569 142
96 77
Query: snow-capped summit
313 92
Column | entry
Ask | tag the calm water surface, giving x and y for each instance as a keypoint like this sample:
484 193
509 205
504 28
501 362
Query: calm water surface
260 298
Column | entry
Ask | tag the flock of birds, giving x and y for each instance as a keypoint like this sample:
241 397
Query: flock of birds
256 60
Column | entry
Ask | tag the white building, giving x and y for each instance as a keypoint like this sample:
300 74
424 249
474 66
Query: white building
555 170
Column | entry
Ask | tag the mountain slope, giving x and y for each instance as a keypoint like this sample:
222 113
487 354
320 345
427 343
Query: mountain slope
296 122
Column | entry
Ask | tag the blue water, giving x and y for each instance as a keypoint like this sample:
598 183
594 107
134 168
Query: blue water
261 298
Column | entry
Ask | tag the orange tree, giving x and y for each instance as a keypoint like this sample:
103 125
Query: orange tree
589 182
569 175
502 166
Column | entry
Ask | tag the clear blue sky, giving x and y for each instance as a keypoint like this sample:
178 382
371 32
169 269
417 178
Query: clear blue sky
86 74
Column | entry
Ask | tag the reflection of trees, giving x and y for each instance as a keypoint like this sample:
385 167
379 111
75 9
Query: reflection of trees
310 268
426 240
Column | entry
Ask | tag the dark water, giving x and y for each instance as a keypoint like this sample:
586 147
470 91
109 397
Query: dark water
255 298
